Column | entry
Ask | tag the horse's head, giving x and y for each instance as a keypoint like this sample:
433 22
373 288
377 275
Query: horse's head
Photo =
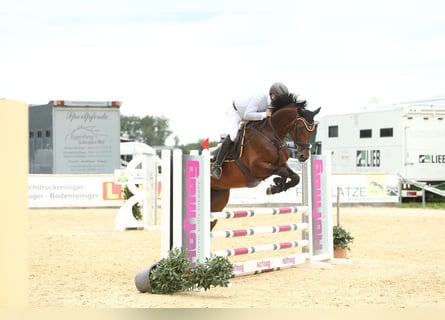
296 121
304 127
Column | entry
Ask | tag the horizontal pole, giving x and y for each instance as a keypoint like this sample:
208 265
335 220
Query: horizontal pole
260 248
258 230
257 212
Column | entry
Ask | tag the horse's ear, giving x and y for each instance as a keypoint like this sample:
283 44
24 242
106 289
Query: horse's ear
316 111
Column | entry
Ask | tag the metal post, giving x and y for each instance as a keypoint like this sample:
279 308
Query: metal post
338 206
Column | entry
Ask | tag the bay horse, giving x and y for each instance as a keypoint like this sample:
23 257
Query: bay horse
264 151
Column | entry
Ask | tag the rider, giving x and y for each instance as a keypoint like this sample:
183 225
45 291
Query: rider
253 108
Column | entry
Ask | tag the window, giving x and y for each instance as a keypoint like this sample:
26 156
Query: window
333 131
366 133
386 132
31 134
48 133
39 134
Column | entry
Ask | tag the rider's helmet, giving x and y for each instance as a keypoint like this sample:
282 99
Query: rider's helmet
278 89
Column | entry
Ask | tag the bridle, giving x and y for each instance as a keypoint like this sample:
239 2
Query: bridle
309 127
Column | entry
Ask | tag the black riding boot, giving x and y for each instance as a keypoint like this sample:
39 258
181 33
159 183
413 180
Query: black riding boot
220 157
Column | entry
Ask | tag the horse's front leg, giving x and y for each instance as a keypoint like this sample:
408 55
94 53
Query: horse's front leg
279 182
294 179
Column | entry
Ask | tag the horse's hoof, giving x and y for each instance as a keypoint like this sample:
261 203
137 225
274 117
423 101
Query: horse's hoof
271 190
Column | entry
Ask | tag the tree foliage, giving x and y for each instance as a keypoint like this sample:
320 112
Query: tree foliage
153 131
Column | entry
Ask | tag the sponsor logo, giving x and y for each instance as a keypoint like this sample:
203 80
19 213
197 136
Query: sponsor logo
288 260
317 206
189 224
111 191
368 158
432 158
238 267
263 264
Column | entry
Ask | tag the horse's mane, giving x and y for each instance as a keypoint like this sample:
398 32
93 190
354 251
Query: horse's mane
288 100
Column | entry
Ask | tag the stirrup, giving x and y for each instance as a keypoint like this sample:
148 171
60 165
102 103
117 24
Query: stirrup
216 172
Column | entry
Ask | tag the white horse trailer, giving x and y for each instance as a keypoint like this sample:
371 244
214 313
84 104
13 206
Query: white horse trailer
405 139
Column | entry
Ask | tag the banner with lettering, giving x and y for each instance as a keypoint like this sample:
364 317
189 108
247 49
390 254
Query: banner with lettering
321 209
193 210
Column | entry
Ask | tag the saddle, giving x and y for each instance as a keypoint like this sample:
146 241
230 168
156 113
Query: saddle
236 151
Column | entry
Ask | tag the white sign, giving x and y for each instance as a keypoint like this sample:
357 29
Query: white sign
86 140
61 191
353 188
365 188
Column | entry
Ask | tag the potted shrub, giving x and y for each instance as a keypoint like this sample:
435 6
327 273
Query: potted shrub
174 273
341 238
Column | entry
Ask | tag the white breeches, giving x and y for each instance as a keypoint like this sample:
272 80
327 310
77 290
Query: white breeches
233 121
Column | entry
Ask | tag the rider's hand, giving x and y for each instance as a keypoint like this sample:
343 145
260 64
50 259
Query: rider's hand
268 113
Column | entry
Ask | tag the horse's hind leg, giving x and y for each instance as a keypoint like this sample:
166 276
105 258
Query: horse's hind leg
218 199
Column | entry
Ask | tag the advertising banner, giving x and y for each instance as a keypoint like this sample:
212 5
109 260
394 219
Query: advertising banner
321 208
365 188
64 191
193 211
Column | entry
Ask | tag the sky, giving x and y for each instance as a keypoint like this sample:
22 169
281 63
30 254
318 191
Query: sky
187 60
